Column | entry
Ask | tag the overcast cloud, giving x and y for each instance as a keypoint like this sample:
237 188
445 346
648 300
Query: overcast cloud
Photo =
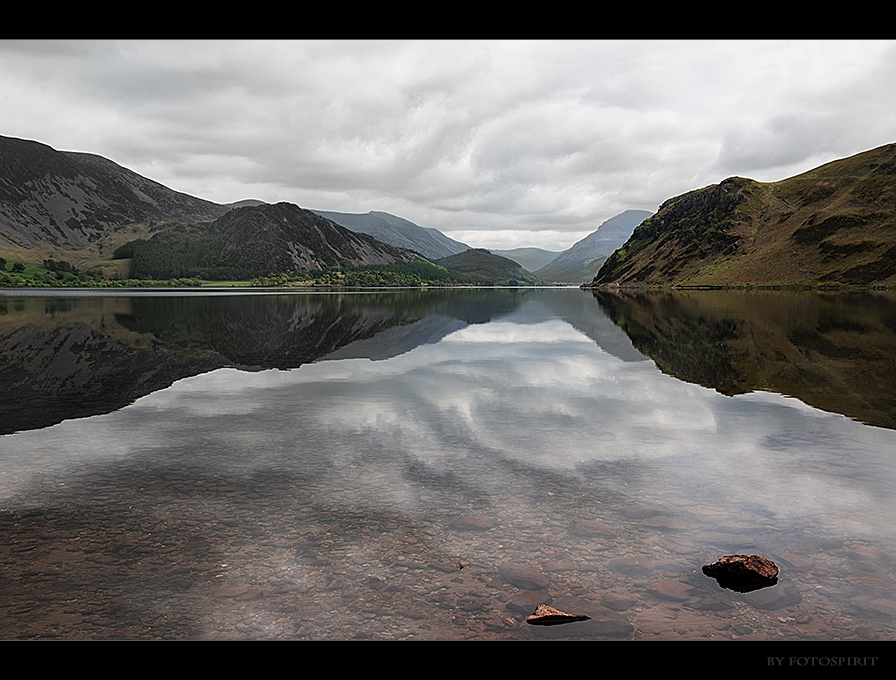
497 144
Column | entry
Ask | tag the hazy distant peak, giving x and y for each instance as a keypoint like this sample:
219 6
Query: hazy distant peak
580 262
398 232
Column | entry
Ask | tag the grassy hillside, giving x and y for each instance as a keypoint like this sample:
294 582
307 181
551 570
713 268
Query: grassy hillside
835 224
283 244
255 241
481 266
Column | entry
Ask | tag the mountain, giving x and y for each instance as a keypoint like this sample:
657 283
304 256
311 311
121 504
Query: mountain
835 224
584 259
529 258
398 232
256 241
491 269
70 199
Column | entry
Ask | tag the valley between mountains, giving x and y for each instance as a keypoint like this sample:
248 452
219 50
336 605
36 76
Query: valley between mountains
78 219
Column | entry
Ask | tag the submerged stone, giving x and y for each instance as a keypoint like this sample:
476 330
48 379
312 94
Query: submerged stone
526 601
523 576
671 589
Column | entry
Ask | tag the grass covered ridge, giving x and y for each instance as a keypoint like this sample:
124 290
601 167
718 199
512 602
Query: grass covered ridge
834 225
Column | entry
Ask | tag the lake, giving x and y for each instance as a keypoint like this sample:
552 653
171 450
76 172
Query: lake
434 464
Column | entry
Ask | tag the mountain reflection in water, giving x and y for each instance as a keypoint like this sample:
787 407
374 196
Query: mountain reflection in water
836 352
436 464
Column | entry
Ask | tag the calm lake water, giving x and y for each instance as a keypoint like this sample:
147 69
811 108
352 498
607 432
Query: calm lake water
435 464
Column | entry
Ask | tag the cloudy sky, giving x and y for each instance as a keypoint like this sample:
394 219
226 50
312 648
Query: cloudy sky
497 144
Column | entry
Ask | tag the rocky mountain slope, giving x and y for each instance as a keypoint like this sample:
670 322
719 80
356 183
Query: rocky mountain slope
584 258
398 232
256 241
835 224
70 199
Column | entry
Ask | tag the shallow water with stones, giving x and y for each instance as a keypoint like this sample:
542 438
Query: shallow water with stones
413 467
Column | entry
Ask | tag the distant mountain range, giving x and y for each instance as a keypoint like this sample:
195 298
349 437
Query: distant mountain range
530 258
398 232
74 201
576 265
282 239
835 224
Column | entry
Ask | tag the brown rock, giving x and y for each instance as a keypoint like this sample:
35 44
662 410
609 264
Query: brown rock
743 573
548 616
523 576
602 624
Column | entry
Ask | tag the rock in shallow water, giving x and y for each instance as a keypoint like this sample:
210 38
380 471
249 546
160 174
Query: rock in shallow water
743 573
523 576
600 624
548 616
526 601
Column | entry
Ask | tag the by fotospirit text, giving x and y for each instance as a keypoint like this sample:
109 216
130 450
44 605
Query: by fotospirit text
822 660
